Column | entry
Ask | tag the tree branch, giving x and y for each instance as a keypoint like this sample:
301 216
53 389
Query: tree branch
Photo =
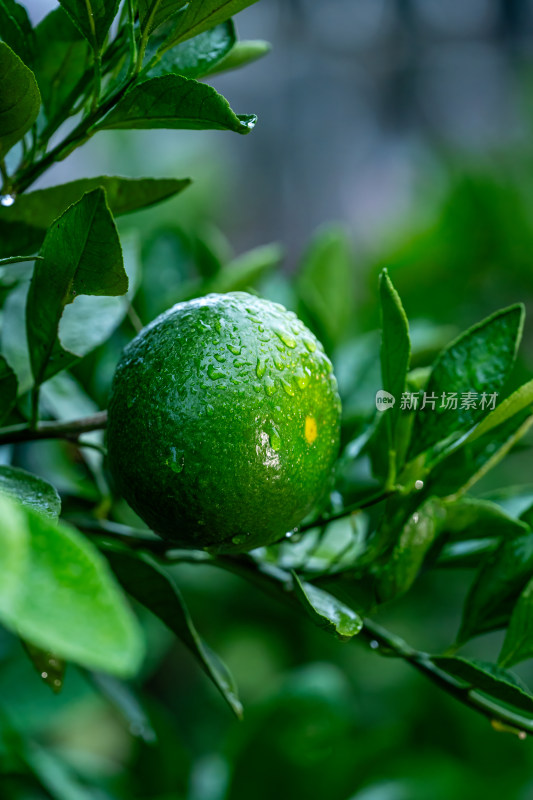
54 430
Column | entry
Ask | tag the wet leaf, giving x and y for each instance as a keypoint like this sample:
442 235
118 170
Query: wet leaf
30 490
175 102
327 611
479 361
148 583
58 593
81 254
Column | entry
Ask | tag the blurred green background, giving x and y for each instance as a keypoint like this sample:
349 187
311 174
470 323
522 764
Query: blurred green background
391 133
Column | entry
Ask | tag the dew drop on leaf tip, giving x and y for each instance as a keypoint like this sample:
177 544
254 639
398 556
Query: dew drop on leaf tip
7 200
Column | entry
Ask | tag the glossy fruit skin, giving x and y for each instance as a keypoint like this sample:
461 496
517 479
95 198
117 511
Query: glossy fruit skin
224 423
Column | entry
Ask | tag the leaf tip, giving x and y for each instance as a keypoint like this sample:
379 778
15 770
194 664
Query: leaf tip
247 122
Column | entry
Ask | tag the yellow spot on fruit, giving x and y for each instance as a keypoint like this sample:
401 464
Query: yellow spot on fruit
310 429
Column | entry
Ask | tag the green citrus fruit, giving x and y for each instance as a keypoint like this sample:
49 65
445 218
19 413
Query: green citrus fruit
223 422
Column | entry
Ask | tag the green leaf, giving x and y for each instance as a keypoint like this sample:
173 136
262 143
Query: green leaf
196 57
241 54
14 548
30 490
150 585
395 352
473 518
241 274
514 500
63 56
479 361
325 281
122 697
23 225
81 255
61 596
200 15
91 320
406 560
326 611
484 677
14 341
16 30
57 777
245 270
461 469
153 13
175 102
466 554
497 587
49 667
93 18
517 401
85 324
8 389
19 99
518 643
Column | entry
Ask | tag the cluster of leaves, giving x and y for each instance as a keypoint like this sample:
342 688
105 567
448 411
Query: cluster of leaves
65 581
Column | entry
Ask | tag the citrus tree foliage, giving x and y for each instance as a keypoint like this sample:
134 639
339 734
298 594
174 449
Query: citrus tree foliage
69 575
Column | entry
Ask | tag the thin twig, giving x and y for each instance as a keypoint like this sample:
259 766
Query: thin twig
5 262
345 512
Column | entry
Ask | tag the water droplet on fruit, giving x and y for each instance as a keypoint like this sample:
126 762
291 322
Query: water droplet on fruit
7 200
310 344
209 410
279 363
302 379
285 337
257 387
233 348
260 368
215 373
220 357
288 388
270 386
